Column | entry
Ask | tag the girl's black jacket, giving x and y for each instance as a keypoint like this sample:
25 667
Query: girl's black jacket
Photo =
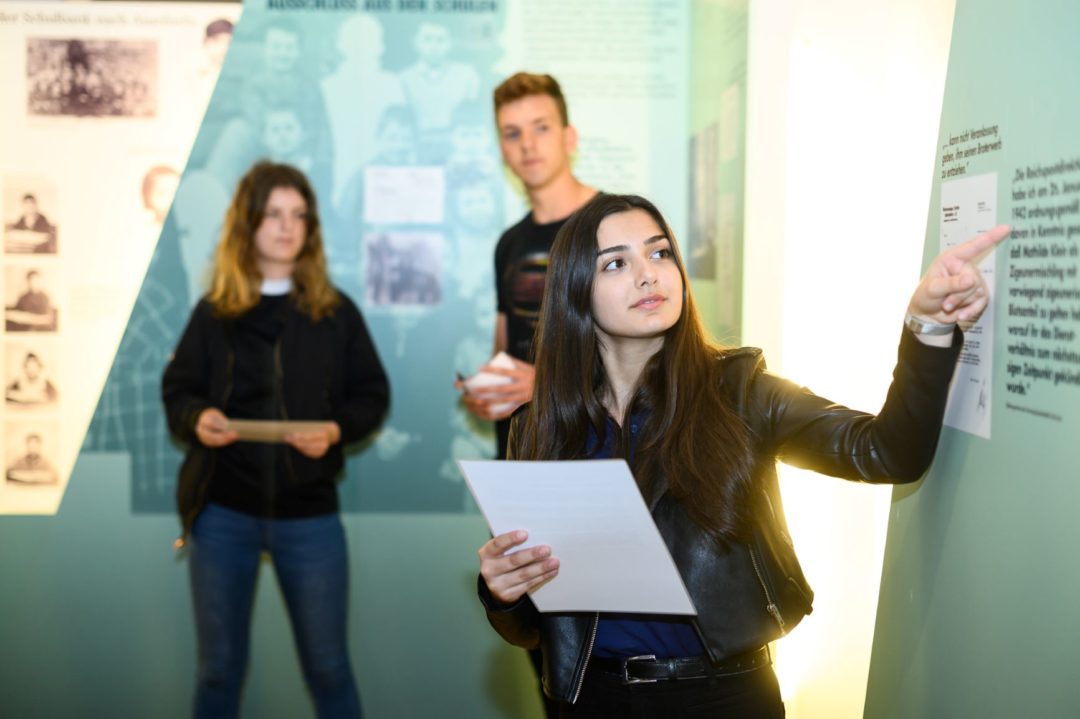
747 595
326 370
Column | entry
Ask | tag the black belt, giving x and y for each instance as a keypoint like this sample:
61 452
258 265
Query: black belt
647 668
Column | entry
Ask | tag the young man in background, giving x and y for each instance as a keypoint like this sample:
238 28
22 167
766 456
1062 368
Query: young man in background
537 142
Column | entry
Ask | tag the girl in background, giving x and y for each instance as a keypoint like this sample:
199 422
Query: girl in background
273 340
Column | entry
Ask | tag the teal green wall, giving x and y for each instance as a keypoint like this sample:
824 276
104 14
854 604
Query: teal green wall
96 617
718 52
981 583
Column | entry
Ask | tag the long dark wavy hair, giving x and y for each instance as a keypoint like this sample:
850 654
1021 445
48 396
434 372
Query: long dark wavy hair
235 279
692 436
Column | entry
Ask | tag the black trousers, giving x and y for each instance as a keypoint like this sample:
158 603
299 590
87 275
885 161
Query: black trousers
750 695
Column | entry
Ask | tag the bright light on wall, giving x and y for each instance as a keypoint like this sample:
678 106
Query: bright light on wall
844 101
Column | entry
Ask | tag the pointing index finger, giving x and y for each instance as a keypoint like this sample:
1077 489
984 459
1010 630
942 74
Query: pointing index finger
981 243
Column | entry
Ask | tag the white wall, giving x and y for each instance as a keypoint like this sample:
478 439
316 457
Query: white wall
843 107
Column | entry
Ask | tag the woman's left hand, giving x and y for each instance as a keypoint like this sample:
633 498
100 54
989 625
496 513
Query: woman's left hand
953 290
314 444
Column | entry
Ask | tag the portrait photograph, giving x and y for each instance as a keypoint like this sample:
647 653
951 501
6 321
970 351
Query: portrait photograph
403 268
158 188
30 209
29 375
30 451
29 304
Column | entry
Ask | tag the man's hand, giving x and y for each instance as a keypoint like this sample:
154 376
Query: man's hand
500 401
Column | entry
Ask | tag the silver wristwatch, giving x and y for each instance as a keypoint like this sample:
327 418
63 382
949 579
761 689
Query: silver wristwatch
922 327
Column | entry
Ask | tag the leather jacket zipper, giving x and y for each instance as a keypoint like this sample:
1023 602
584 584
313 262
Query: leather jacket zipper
770 605
588 655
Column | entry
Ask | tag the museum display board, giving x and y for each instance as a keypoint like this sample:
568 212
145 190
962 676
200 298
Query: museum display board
978 577
103 103
128 126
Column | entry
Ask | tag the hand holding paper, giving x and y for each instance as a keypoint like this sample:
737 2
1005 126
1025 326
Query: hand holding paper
316 441
213 430
590 545
310 438
510 574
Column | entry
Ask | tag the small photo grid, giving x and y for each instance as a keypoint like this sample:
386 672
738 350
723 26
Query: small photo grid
29 214
30 291
30 372
30 451
76 77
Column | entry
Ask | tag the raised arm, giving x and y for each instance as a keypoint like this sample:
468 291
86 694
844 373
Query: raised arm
953 289
897 444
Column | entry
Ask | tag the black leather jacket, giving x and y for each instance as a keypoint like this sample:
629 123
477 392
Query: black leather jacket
750 594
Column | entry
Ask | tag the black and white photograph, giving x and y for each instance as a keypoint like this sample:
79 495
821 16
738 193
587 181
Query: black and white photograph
29 304
403 268
91 78
29 376
30 448
30 226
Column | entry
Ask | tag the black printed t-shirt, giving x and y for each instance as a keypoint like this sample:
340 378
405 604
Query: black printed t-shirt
521 261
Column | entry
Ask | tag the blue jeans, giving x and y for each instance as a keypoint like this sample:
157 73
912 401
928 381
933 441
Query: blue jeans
311 565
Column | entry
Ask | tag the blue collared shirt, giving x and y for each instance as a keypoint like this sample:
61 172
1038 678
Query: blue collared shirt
628 635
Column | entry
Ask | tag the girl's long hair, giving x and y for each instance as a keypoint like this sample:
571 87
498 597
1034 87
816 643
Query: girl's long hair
692 437
235 280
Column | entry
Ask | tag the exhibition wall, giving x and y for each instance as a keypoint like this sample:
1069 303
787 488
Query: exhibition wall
979 580
97 619
389 113
104 102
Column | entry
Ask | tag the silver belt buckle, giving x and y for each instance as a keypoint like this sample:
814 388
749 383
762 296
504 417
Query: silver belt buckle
627 679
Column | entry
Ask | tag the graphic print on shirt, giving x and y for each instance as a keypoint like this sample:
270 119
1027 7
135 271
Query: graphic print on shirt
524 281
